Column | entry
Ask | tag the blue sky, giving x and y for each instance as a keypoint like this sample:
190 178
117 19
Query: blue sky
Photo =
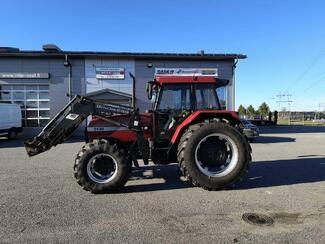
284 40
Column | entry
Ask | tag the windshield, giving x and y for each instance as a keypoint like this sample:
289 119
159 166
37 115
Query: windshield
184 96
175 97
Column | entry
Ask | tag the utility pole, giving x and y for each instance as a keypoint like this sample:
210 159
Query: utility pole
286 99
320 106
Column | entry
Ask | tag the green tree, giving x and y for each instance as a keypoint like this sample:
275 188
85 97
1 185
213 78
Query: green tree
250 111
264 109
241 110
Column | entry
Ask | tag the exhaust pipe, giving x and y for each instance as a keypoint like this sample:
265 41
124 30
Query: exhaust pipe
133 90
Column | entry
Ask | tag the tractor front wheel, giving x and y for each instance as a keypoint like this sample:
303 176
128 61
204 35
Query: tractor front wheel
101 166
213 155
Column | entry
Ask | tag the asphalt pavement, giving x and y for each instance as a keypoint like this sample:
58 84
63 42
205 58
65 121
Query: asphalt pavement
40 201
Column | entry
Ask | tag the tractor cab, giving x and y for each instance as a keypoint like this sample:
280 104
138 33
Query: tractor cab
175 97
184 92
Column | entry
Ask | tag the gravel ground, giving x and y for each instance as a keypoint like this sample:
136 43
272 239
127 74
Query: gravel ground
41 202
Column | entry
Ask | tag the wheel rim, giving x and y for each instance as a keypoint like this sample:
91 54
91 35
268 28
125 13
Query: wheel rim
102 168
216 155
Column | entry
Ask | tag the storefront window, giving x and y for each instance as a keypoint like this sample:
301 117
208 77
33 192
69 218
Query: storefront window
32 95
44 95
44 104
20 103
44 113
32 87
32 104
43 122
32 123
31 114
18 95
43 87
34 101
18 87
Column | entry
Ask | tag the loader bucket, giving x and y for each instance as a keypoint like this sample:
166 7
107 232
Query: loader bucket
35 146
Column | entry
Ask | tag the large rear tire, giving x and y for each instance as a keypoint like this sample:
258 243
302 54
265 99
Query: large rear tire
213 155
102 166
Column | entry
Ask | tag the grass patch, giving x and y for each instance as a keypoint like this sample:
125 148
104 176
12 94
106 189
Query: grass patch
300 122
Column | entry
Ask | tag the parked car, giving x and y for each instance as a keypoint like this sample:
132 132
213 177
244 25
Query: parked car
261 122
10 120
251 131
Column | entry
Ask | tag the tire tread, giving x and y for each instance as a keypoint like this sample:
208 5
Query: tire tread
181 155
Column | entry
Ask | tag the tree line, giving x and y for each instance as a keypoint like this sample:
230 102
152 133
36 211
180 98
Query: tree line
263 110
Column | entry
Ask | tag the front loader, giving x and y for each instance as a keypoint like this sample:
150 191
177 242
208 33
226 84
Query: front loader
185 125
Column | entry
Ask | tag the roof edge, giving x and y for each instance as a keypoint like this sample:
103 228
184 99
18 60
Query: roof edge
145 55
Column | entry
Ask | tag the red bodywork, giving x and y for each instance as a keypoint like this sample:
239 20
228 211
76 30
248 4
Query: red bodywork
98 128
198 113
186 79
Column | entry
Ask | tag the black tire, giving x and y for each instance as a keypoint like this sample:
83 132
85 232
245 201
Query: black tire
190 144
12 134
113 158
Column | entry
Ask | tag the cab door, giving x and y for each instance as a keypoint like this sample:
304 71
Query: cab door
173 100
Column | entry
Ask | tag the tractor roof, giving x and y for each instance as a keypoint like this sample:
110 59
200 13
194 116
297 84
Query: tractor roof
190 79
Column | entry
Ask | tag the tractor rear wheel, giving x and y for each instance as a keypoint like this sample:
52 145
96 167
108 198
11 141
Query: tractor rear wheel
213 155
102 166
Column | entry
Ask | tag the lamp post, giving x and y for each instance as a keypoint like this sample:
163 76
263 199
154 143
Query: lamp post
68 64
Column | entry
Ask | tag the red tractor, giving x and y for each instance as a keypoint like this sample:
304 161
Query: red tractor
185 125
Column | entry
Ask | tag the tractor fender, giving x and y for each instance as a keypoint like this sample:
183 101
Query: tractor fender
201 115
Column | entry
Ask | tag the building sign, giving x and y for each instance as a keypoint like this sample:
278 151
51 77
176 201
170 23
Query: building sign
187 71
24 75
106 73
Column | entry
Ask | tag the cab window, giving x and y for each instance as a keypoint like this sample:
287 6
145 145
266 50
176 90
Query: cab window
175 97
221 91
206 97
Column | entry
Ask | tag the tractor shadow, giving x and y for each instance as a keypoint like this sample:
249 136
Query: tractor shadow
284 172
168 177
274 139
288 129
19 142
262 174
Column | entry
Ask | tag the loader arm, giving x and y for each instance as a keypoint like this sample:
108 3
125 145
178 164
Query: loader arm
60 128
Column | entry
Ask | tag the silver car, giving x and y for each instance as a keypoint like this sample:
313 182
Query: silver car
251 131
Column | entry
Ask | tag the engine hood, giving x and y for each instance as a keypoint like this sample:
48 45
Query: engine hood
145 120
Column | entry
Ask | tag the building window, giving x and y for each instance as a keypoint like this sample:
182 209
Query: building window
34 101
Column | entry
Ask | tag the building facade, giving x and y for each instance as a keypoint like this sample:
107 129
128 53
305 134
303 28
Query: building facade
39 81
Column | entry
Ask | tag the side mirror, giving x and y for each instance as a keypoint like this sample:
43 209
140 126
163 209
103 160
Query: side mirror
222 82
